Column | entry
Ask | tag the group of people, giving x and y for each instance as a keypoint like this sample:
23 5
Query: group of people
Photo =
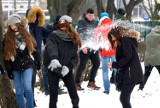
63 46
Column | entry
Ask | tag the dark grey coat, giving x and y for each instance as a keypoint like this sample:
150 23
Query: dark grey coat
61 47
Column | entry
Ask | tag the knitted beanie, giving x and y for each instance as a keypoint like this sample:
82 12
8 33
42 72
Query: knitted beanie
104 14
13 19
67 18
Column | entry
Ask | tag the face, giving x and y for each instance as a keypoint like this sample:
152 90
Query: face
90 16
14 27
61 22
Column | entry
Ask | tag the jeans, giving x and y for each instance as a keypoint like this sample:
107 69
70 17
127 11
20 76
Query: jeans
45 78
94 57
23 84
105 60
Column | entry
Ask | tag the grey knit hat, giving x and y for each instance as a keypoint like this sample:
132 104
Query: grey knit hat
13 19
67 18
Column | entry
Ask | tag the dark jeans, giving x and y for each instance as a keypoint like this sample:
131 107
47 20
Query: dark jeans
126 94
94 57
45 78
53 80
148 70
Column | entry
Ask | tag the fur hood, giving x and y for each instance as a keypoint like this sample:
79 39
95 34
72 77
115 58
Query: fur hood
131 33
36 11
134 34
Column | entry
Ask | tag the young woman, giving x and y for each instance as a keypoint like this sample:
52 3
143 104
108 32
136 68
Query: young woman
61 56
20 58
127 61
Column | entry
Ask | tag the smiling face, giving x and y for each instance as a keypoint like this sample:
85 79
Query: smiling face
14 27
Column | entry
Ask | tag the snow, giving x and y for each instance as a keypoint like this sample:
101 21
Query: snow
147 98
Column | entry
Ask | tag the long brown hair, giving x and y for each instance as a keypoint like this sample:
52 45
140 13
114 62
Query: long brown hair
117 32
71 32
10 41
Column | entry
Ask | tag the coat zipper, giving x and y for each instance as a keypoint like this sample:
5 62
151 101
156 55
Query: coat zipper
129 72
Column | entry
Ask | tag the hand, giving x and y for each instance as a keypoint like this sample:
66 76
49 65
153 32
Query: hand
64 71
54 64
85 50
10 75
110 64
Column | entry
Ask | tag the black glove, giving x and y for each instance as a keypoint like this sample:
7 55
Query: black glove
58 71
1 70
10 75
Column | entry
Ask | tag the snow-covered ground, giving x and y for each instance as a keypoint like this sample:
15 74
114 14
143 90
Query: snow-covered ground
147 98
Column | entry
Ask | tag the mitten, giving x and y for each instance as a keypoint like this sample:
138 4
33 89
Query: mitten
54 64
10 74
65 70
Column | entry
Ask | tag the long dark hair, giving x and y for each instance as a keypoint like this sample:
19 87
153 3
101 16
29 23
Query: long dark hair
117 32
10 41
71 32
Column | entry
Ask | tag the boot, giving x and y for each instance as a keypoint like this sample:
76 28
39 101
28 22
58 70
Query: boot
60 91
143 83
78 87
93 86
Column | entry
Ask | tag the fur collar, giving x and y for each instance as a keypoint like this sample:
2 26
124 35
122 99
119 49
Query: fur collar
36 10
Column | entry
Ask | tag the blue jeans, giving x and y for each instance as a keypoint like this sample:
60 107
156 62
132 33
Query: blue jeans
45 78
105 60
23 84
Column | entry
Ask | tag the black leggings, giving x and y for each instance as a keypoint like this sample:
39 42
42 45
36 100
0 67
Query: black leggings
126 94
53 80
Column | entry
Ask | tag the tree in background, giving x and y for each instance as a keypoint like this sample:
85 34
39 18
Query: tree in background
112 10
152 7
7 96
68 7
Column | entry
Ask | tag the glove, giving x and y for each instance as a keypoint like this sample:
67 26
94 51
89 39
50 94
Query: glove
65 71
54 64
10 75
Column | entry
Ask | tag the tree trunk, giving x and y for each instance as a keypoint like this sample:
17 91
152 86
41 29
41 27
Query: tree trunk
7 96
69 7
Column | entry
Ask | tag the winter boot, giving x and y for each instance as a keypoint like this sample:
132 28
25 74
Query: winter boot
78 87
143 83
92 85
60 91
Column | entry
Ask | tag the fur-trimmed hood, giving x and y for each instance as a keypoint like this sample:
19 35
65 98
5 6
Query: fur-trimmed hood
134 34
131 33
36 11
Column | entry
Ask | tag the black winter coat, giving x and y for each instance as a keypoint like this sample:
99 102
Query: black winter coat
61 47
128 60
23 61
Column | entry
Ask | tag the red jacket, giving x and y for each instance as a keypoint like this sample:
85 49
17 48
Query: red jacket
101 37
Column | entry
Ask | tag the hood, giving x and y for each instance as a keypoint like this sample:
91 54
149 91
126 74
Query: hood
36 11
63 35
132 34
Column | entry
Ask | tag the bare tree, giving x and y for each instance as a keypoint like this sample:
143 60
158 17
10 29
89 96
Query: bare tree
68 7
152 7
112 10
7 96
